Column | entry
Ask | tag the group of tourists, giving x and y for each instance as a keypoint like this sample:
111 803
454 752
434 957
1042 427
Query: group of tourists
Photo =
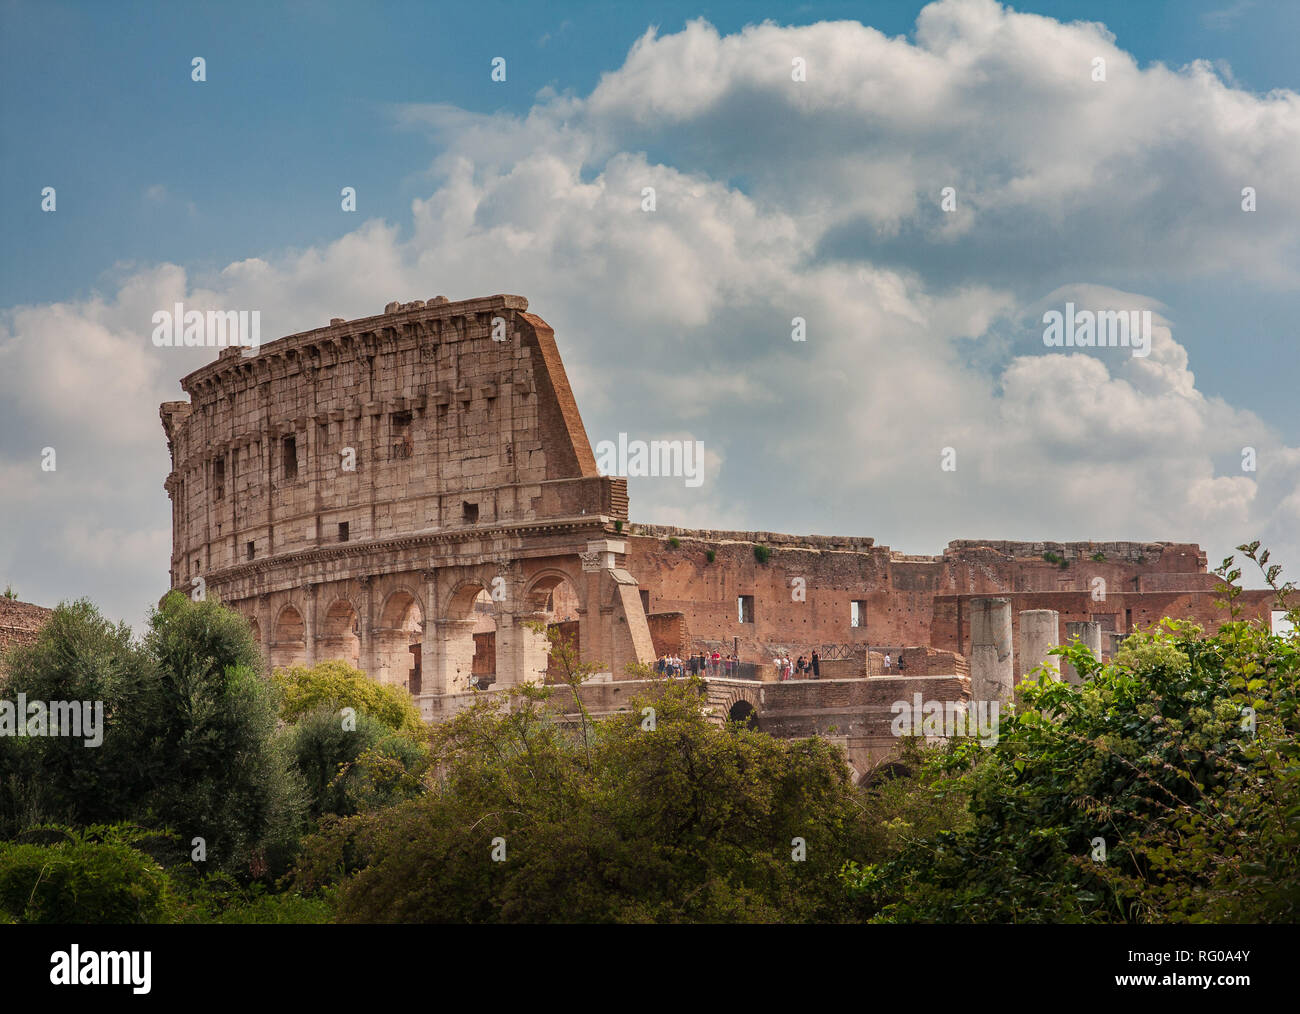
803 668
698 663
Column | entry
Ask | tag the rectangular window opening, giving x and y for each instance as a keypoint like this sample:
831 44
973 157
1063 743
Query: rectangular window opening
343 531
745 608
251 550
858 613
289 447
470 511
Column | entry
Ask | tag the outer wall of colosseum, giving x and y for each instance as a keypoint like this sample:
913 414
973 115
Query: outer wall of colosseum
380 490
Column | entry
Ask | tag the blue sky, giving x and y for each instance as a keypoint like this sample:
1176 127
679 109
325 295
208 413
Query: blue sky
153 170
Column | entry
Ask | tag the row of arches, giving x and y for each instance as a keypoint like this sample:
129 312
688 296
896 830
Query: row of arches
466 635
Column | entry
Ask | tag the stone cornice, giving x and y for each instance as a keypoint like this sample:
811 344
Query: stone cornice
581 526
394 321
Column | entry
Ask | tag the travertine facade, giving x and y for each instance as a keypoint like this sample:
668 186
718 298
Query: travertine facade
356 489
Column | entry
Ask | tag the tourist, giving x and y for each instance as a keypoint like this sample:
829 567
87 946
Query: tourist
801 667
901 666
886 662
816 666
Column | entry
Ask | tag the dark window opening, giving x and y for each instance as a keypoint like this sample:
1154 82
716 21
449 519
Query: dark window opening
343 531
250 550
470 510
219 478
858 613
745 608
402 444
645 600
289 447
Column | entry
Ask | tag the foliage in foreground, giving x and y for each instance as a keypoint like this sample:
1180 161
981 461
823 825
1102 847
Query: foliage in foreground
611 821
1165 789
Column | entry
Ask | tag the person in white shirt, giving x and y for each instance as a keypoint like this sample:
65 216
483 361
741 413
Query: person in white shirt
886 661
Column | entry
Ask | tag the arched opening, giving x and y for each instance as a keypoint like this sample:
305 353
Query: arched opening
554 597
743 713
289 640
885 772
470 639
483 666
398 642
340 634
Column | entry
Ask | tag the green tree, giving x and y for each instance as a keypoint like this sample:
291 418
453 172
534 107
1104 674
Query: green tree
354 766
335 684
674 819
1165 788
91 876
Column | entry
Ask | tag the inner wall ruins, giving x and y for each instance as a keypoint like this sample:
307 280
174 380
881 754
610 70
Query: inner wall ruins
414 492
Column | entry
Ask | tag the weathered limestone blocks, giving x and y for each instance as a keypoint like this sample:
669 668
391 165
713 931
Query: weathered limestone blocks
992 663
1089 632
1039 635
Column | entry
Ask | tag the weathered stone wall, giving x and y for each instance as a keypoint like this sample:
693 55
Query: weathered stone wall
1120 611
908 600
20 622
473 474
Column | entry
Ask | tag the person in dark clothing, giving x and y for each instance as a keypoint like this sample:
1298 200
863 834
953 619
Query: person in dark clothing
816 666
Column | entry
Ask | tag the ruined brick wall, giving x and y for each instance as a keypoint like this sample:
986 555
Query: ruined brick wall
20 622
905 598
668 633
1119 612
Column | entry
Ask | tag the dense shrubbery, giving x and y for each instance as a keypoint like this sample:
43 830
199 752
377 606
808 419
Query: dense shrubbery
194 747
1180 759
685 822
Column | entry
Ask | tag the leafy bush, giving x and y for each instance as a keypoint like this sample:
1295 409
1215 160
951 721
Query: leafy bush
762 554
335 685
188 737
94 876
613 823
348 770
1181 759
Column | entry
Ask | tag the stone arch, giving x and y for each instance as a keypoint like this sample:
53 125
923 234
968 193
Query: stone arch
288 637
399 638
743 713
339 632
466 635
555 597
884 772
540 594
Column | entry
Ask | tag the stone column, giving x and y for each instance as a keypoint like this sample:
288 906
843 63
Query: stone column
367 660
1089 632
429 642
521 653
1039 633
992 669
309 622
454 655
264 625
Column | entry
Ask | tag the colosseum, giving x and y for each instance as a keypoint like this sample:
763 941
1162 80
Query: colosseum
415 493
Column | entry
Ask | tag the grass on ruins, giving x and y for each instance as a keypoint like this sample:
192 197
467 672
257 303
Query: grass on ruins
1165 789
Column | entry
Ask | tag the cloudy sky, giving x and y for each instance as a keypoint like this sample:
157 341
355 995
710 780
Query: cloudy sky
775 198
